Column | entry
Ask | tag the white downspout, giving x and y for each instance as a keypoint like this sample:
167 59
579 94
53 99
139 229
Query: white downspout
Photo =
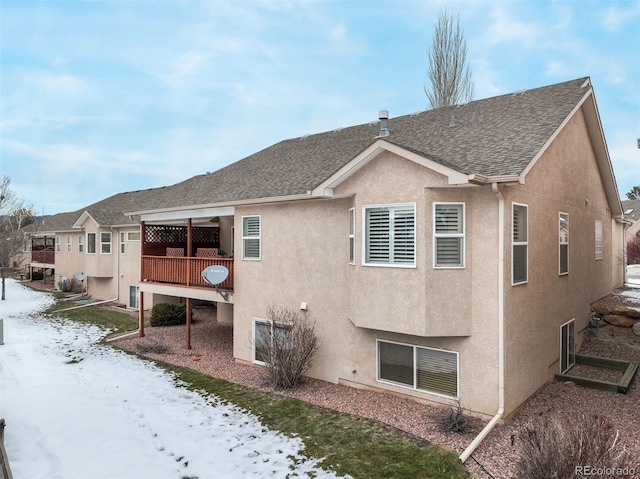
490 425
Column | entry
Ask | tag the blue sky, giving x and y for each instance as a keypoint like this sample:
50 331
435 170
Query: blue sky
102 97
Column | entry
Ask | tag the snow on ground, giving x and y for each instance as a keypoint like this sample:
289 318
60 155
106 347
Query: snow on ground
77 410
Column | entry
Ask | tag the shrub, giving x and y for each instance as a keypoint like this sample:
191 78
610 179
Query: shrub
287 346
633 250
71 285
168 314
561 446
454 420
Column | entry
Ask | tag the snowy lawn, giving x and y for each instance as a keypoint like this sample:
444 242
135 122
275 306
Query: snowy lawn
79 410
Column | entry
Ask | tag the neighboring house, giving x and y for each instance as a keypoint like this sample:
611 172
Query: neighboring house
46 237
631 210
99 241
450 253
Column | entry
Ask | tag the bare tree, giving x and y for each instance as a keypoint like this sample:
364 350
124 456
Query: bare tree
14 216
449 73
286 344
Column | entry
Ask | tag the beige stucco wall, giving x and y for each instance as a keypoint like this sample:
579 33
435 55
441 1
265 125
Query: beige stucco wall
305 258
109 275
565 179
68 263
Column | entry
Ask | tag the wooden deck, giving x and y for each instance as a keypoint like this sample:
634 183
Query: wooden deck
185 271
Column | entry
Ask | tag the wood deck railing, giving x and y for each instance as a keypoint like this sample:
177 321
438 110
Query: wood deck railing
183 270
46 257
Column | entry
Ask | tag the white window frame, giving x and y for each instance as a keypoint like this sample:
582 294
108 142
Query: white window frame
122 243
352 236
257 237
415 369
392 208
599 240
58 244
95 239
568 342
461 236
515 244
269 322
105 246
563 241
69 244
80 244
133 235
136 289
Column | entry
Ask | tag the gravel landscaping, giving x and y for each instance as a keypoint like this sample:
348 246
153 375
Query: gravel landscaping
496 457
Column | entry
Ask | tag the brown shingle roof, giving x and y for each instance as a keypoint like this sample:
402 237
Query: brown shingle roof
633 209
491 137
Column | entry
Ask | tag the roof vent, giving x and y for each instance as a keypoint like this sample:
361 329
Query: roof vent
383 115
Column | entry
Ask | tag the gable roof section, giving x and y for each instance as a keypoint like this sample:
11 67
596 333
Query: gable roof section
58 223
111 211
492 138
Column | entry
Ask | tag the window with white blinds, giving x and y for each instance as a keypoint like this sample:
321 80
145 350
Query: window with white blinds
251 237
416 367
390 237
563 236
599 240
105 243
520 245
448 228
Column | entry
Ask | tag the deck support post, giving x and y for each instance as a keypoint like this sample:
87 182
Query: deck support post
188 311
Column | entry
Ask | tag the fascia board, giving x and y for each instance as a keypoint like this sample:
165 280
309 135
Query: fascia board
599 145
188 214
248 202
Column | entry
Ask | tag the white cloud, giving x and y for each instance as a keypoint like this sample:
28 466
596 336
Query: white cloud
505 28
615 17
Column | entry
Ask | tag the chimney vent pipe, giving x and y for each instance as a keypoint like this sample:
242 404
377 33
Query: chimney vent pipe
383 115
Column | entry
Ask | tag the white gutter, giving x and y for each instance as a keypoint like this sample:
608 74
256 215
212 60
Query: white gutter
490 425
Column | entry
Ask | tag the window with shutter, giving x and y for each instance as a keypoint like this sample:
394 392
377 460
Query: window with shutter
563 235
389 235
416 367
520 245
251 237
448 230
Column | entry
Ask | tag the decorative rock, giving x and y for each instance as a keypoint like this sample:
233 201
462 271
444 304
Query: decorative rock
619 320
636 329
625 311
600 310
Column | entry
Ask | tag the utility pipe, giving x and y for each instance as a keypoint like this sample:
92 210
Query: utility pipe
88 304
490 425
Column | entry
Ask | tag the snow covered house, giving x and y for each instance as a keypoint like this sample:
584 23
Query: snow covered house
447 254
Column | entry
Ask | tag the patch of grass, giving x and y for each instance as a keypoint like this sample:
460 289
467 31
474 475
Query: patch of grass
106 318
361 447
